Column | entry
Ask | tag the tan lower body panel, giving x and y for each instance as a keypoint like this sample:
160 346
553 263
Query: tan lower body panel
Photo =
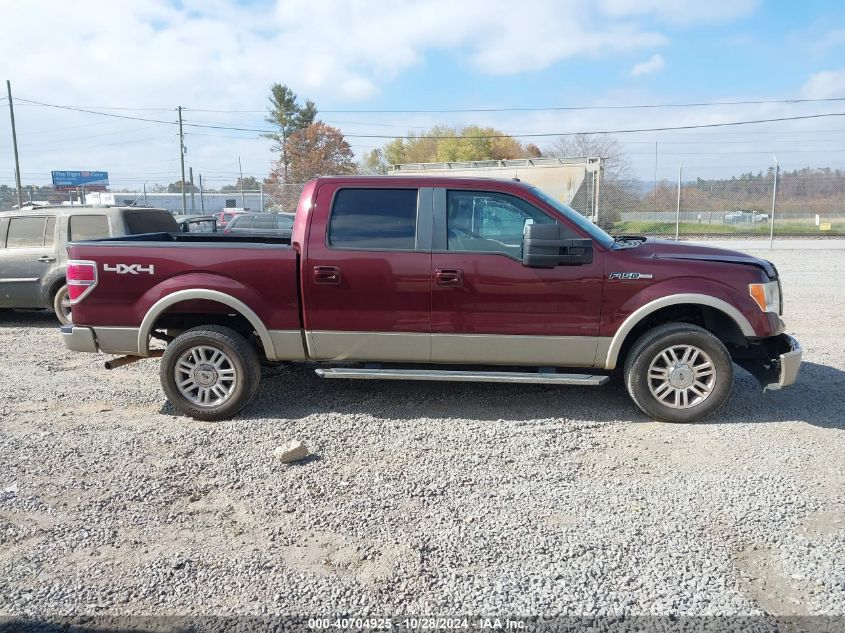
117 340
495 349
287 345
482 349
389 347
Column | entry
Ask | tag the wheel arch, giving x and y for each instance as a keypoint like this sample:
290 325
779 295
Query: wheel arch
162 305
51 285
628 330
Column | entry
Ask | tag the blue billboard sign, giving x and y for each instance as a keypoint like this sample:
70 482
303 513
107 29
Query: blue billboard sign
88 179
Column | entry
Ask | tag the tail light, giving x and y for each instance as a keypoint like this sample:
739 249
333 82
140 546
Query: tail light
81 278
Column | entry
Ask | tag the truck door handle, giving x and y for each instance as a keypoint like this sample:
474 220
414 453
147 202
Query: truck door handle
46 259
326 275
451 277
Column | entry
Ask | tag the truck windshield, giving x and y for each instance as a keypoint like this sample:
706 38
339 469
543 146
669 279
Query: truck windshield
576 218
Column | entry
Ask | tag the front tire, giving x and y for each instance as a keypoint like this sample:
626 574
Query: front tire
61 306
679 373
210 372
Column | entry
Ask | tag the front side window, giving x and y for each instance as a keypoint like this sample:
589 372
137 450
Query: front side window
88 227
26 232
489 222
379 219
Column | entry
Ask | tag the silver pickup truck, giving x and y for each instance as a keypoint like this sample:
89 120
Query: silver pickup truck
33 256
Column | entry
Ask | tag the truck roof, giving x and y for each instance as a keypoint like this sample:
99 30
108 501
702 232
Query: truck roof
416 180
73 210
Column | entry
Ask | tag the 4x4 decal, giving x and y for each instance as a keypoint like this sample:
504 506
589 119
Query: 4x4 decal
129 269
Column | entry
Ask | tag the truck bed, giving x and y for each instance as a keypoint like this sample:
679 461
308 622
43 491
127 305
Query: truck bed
192 238
135 272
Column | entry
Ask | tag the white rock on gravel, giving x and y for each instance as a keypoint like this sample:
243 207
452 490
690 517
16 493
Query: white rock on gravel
293 451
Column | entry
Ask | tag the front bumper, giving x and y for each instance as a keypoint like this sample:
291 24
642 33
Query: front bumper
788 361
78 339
774 361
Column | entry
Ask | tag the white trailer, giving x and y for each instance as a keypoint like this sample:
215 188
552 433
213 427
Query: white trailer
573 181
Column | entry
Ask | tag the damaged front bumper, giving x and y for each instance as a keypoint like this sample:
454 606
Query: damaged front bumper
774 361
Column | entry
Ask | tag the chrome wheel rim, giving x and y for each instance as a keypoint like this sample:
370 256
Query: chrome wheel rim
205 376
681 376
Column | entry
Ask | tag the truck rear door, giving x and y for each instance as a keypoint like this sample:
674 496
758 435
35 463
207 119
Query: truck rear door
367 277
489 308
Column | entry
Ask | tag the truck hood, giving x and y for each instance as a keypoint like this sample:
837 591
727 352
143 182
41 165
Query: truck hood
667 249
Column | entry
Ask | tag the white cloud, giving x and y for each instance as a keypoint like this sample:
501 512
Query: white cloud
654 64
681 12
825 84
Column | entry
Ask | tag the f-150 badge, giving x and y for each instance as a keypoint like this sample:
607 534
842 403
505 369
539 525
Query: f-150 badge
129 269
630 276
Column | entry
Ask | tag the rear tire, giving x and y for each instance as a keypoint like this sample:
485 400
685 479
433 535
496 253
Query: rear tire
61 306
679 373
210 372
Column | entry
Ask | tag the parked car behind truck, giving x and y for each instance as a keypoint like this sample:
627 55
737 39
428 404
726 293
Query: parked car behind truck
33 256
432 278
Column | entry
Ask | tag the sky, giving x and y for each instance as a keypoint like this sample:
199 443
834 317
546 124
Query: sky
372 67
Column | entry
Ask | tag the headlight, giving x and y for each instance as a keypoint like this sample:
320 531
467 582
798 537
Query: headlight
766 295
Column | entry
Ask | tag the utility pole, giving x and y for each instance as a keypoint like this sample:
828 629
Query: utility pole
261 193
678 208
145 194
15 144
655 175
774 197
202 202
191 172
241 169
182 160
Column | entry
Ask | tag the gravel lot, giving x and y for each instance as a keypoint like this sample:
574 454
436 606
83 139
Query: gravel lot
423 497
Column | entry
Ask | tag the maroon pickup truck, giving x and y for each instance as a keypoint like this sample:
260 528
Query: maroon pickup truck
432 278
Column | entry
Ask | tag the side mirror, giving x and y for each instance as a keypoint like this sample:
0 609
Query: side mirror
544 247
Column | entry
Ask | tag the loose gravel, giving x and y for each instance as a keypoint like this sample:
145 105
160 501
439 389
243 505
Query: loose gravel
422 497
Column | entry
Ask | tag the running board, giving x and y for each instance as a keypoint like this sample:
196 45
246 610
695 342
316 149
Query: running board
464 376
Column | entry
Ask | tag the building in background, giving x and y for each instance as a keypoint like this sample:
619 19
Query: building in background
195 204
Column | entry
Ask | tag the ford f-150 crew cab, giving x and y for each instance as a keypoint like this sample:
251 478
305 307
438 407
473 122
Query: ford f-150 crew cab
433 278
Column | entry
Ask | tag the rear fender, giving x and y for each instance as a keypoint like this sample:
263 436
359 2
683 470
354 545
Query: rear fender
199 290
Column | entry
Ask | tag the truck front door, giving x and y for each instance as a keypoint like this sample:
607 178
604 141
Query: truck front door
366 279
489 308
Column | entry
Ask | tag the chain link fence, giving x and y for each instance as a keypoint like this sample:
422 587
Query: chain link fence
805 203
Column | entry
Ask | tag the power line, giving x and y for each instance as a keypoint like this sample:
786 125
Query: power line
490 136
552 108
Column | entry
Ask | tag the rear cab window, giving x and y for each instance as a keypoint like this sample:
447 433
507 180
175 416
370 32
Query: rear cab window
374 219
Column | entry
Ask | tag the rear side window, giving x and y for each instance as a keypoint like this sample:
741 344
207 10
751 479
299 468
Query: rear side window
88 227
284 221
264 222
26 232
374 219
150 222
